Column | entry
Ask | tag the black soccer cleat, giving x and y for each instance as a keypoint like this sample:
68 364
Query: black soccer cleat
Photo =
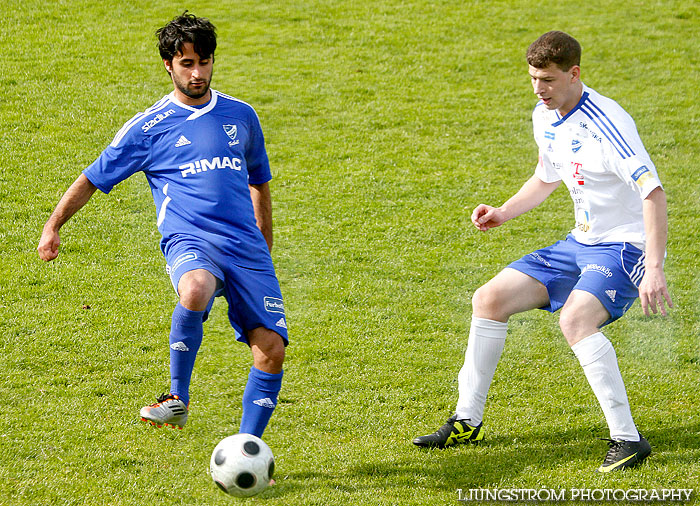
624 454
454 432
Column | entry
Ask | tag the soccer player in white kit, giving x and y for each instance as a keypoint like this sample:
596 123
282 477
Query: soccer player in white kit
614 254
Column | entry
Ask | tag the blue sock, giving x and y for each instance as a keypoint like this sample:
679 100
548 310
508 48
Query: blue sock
185 339
259 400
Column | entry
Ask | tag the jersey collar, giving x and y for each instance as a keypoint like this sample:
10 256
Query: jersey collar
583 98
196 111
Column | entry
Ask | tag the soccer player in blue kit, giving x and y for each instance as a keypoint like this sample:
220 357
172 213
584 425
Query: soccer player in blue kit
614 254
204 157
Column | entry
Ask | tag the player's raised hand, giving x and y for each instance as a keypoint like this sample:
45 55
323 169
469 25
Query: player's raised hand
653 292
48 245
485 217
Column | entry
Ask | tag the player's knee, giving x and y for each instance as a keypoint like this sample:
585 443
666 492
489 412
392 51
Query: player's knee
571 325
268 350
195 297
275 357
196 290
486 303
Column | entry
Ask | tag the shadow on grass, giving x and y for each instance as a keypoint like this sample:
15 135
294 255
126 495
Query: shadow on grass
536 458
496 460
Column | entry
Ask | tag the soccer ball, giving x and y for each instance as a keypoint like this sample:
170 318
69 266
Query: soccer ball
242 465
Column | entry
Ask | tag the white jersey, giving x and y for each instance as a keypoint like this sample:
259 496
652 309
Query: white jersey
596 151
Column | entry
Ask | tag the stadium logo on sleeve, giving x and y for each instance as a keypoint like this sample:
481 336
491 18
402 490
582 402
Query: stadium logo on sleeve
232 132
274 305
157 119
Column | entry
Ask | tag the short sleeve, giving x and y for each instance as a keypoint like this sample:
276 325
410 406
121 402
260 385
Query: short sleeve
634 165
119 161
256 155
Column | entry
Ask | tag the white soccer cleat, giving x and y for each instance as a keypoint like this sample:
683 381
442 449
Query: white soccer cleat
168 410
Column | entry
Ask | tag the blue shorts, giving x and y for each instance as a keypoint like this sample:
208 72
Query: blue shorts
254 297
611 271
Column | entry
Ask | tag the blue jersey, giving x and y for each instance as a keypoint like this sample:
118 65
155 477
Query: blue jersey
198 162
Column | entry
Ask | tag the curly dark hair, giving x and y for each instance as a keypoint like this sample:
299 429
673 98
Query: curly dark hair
187 28
554 47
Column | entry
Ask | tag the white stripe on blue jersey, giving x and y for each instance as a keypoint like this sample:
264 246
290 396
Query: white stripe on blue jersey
158 106
234 99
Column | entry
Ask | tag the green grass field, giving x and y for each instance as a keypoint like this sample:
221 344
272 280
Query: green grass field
386 124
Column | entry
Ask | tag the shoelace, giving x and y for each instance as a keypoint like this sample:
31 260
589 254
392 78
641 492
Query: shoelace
164 397
614 446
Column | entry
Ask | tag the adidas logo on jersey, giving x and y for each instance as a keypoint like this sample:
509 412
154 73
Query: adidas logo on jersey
182 141
265 403
281 323
611 294
179 346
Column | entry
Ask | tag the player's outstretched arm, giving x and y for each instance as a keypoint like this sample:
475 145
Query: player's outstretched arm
75 197
532 194
653 291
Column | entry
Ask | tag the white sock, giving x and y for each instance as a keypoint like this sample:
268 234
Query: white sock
486 341
599 362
